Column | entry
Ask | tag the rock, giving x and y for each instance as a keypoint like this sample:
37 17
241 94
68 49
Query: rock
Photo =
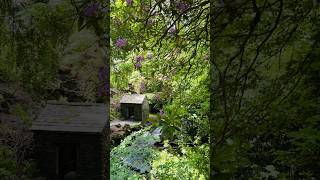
121 129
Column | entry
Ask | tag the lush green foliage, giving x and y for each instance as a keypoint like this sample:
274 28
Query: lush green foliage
264 98
264 106
162 52
31 41
8 166
133 155
168 166
48 50
40 40
137 158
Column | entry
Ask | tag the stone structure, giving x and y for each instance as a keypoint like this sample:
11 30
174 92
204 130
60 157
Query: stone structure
70 141
134 107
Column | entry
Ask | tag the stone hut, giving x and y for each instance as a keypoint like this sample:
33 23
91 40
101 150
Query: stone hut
70 141
134 107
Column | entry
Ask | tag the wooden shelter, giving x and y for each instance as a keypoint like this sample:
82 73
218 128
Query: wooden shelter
134 107
70 139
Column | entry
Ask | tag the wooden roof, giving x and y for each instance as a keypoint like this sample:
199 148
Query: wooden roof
132 99
72 117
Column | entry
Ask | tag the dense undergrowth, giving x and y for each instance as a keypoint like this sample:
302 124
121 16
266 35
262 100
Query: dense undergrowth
139 156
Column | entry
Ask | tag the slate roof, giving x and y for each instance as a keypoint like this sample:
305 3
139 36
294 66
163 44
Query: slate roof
72 117
132 98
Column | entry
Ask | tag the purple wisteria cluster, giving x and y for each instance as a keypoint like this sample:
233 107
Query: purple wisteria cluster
138 65
182 6
93 10
138 61
139 58
121 43
104 85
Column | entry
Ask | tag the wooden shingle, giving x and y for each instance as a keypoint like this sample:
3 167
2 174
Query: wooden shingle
72 117
132 99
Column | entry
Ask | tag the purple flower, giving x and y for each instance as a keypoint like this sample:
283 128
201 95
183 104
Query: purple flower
138 65
149 55
91 10
139 58
172 30
162 114
121 42
129 2
104 85
182 6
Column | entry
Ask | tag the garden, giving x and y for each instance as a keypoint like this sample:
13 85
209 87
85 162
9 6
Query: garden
221 89
152 57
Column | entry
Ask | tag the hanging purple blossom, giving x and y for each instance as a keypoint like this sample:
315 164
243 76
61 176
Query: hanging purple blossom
139 58
182 6
138 65
162 114
104 84
129 2
121 43
91 10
